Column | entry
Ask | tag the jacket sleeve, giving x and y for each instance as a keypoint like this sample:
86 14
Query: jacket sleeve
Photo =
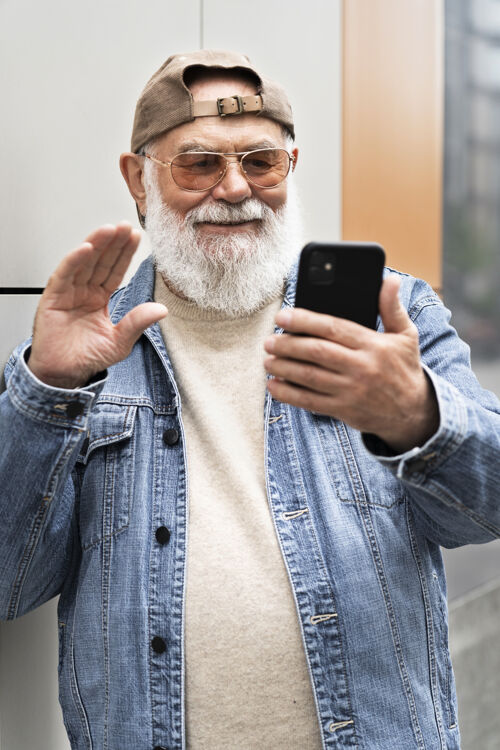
452 481
41 431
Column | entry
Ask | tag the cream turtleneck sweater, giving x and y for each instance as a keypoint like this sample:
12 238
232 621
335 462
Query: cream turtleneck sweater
247 682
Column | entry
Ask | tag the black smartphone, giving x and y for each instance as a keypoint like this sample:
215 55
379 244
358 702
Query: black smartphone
341 279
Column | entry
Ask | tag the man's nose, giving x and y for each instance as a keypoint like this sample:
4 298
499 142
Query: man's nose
234 187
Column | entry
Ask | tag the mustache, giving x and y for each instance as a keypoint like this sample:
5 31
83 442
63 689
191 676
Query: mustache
250 209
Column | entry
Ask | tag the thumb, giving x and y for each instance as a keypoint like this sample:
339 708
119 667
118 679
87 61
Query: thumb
394 316
137 320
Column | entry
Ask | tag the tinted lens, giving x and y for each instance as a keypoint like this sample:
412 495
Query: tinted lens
266 168
197 171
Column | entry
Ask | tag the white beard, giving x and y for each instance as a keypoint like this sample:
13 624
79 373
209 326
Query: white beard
231 273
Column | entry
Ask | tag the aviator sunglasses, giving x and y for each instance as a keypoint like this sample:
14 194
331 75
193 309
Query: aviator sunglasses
202 170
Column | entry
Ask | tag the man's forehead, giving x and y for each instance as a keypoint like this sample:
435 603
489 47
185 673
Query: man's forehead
243 133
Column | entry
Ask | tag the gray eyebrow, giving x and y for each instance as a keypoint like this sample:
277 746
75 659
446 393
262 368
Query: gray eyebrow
197 146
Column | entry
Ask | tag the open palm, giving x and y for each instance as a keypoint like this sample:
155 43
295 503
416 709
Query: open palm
73 336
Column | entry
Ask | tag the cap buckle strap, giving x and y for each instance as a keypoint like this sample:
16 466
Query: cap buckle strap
221 103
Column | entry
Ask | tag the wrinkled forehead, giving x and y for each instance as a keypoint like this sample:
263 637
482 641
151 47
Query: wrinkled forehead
244 133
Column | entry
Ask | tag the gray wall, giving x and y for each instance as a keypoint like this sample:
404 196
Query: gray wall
474 628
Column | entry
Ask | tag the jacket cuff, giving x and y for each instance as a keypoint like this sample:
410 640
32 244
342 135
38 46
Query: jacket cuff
65 407
415 465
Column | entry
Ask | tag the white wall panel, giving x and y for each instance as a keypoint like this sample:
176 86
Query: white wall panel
71 74
16 321
299 44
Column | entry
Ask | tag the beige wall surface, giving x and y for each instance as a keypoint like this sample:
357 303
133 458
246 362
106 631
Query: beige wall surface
392 130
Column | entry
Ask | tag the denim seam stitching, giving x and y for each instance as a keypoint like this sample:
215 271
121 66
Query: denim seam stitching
32 413
75 692
122 399
417 307
34 535
107 519
152 570
120 529
434 489
185 496
368 503
327 580
375 552
396 637
449 710
268 478
28 553
430 626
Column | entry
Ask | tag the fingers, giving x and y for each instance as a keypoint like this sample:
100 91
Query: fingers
122 261
101 260
320 351
339 330
101 236
393 314
136 321
306 374
109 242
301 397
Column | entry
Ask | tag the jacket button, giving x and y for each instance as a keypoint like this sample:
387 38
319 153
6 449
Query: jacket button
162 535
170 437
74 409
158 645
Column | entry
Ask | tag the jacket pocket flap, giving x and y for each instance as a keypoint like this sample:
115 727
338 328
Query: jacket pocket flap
109 423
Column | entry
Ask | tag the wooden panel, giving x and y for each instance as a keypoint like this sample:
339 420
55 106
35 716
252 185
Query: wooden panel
393 52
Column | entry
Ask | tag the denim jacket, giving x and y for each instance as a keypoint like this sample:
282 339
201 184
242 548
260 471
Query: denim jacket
90 475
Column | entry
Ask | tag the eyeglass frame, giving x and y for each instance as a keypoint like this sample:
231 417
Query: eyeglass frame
291 160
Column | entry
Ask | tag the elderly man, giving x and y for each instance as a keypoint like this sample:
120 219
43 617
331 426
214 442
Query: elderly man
236 568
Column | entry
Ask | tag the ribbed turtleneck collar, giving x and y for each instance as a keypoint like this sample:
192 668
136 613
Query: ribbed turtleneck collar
187 310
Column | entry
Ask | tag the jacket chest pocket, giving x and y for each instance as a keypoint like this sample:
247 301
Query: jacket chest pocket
356 475
105 473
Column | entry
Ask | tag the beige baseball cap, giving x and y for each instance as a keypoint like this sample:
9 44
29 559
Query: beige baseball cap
167 102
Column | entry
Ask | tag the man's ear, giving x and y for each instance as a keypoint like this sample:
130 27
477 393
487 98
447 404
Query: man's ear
295 153
132 169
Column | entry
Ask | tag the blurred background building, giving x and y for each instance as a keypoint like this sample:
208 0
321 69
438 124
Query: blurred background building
471 288
397 108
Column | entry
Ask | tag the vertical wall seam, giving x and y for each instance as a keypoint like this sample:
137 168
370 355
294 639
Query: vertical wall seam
202 23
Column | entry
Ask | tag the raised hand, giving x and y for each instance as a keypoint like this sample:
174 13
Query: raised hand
374 382
73 336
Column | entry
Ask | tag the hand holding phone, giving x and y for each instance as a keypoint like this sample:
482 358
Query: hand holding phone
373 382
